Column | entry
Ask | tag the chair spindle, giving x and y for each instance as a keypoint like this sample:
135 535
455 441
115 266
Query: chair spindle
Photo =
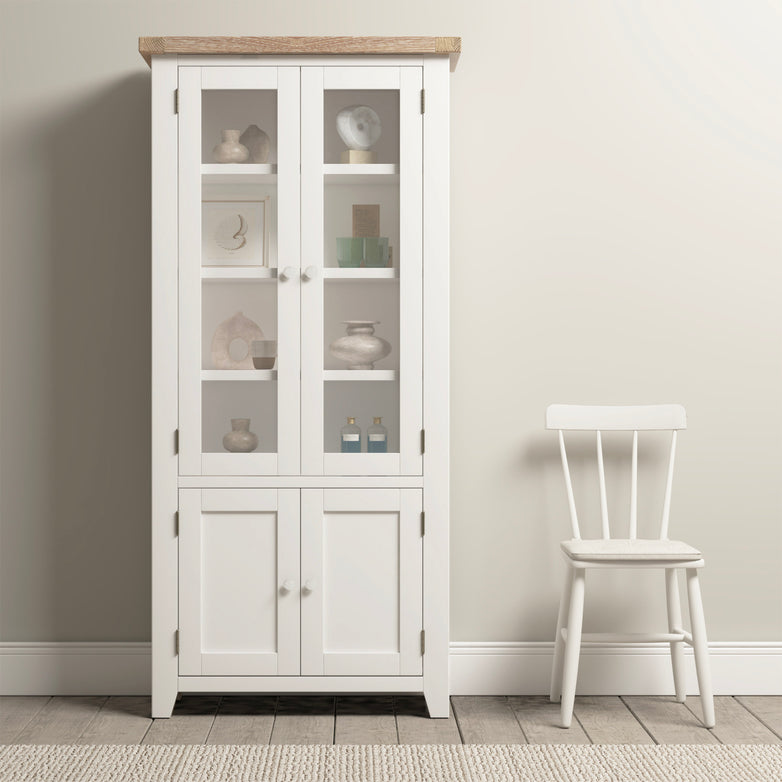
570 498
668 487
603 500
634 491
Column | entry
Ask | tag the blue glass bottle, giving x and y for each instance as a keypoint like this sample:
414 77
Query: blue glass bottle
350 437
377 437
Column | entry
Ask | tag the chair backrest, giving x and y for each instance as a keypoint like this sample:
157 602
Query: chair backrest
601 418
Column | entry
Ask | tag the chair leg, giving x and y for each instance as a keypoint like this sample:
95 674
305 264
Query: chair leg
559 641
675 623
700 646
572 647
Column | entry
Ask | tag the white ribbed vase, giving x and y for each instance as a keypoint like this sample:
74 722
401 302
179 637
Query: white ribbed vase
360 348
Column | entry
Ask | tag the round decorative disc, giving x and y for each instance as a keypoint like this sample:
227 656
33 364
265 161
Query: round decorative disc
358 126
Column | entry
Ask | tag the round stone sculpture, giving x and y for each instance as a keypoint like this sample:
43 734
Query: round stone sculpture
360 348
232 341
358 127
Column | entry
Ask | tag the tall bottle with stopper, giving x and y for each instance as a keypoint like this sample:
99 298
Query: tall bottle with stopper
377 437
350 437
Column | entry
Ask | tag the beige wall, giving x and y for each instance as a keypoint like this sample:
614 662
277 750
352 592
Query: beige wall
616 200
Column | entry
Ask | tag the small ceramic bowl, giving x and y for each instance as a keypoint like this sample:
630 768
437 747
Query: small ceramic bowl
264 352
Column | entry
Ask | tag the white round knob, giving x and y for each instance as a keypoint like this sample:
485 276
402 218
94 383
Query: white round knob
287 586
287 273
310 273
308 587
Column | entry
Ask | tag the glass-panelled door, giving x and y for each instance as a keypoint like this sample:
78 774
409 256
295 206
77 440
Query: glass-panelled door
361 289
239 283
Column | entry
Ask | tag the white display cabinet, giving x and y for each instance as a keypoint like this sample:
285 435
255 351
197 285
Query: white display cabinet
293 559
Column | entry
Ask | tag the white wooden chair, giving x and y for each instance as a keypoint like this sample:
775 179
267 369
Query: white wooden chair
630 552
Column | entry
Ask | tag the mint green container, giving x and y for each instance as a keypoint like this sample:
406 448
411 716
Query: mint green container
350 251
376 250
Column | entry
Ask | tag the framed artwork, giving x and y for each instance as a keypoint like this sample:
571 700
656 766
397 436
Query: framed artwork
235 233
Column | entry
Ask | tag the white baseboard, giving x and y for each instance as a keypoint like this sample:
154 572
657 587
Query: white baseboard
75 669
524 668
518 668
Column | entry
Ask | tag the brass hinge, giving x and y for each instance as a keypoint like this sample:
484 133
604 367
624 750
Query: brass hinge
176 440
423 642
176 101
423 523
176 642
423 101
176 524
423 441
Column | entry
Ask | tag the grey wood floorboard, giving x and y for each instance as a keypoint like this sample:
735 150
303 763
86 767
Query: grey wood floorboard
16 711
606 720
487 719
62 720
766 708
365 720
669 722
189 724
539 719
243 719
735 725
415 727
304 720
121 720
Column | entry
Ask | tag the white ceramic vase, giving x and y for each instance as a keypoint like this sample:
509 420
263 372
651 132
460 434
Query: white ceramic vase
240 439
229 150
360 348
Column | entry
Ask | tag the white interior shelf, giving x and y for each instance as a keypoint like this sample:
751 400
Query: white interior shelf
335 273
238 374
360 173
238 173
238 273
360 374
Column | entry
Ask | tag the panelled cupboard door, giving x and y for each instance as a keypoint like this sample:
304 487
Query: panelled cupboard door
238 582
362 582
362 263
239 259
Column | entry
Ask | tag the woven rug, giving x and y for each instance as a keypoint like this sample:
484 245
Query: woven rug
376 763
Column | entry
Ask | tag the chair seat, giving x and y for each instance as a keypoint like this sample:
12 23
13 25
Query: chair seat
622 548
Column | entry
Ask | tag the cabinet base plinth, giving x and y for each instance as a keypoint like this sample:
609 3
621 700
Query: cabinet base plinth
301 684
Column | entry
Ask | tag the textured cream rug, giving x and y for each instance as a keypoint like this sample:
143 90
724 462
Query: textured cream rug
376 763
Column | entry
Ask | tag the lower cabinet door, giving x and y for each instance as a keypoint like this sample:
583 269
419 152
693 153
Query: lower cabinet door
362 582
239 582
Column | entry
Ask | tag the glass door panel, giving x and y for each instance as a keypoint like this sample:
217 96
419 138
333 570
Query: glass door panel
361 361
239 317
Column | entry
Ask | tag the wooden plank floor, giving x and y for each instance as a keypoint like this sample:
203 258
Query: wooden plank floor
385 719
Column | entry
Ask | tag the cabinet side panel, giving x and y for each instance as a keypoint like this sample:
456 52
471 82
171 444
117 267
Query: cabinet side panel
436 400
164 385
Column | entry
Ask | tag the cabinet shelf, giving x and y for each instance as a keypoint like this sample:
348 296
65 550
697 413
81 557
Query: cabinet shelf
361 173
334 273
238 374
238 273
238 173
350 375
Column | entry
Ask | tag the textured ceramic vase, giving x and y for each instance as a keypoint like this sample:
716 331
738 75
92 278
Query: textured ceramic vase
360 348
240 439
257 142
229 150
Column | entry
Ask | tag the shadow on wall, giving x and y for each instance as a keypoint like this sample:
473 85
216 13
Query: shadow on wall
99 398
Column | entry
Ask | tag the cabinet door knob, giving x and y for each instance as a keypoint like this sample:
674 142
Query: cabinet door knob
310 273
287 273
308 587
287 586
